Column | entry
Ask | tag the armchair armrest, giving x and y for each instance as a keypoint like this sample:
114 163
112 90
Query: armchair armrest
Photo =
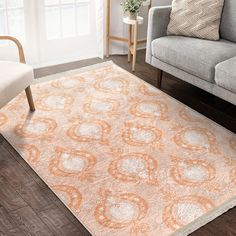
19 46
158 20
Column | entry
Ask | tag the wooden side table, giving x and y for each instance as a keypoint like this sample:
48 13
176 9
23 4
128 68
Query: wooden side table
132 44
109 37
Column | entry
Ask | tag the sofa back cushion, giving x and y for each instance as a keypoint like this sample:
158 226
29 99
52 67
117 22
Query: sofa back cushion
196 18
228 21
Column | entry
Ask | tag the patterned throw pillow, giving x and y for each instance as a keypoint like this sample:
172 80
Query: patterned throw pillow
196 18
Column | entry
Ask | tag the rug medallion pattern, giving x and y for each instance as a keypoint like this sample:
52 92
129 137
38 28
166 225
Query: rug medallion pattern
124 157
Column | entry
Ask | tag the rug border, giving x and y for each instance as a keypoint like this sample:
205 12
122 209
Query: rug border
188 229
206 218
59 75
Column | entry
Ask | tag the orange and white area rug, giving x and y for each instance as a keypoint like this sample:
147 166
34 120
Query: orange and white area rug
124 157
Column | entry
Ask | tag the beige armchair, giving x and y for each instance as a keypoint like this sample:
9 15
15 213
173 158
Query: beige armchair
15 77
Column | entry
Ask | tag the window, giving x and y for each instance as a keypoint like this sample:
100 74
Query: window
52 31
12 20
67 18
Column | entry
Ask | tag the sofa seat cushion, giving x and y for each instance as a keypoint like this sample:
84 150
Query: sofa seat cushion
14 78
195 56
226 74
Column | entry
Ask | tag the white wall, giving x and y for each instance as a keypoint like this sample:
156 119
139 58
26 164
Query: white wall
121 30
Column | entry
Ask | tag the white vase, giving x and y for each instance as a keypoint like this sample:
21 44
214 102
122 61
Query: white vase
132 16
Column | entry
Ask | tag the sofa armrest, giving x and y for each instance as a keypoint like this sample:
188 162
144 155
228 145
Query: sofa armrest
158 20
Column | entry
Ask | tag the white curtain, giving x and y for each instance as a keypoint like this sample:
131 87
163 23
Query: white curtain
100 26
52 31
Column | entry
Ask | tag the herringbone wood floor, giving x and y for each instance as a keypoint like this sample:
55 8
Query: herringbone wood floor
29 207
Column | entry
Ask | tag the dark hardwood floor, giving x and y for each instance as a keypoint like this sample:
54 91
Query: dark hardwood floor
29 207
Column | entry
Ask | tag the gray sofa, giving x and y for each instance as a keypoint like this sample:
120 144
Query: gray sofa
209 65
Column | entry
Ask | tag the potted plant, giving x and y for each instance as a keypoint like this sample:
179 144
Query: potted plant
132 8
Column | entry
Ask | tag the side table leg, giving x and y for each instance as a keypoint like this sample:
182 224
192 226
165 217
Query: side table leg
135 45
129 43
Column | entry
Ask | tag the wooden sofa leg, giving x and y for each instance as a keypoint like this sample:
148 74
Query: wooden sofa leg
159 78
30 98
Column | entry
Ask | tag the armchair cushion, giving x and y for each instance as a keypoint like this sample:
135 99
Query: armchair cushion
195 56
14 78
226 74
